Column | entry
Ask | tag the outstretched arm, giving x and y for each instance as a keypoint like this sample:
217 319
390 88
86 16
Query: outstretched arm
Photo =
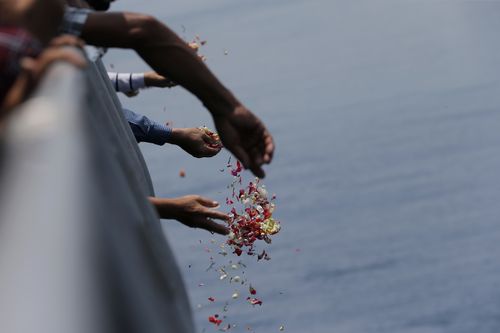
131 83
195 141
240 131
163 50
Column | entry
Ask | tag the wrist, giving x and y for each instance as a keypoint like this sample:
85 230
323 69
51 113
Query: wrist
149 79
175 135
222 105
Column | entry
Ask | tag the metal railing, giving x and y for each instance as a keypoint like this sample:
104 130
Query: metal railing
81 248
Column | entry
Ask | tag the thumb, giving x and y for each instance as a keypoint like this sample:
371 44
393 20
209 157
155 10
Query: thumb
257 171
207 138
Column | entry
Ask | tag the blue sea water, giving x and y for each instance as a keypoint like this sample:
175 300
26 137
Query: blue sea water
386 116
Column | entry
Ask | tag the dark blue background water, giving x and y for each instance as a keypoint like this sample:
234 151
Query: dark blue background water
386 116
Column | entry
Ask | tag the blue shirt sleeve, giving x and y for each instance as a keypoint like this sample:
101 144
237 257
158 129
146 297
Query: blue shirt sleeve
147 130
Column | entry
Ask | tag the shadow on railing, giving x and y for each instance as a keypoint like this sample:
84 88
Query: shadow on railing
81 249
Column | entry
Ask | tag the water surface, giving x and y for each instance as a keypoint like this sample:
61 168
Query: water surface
386 116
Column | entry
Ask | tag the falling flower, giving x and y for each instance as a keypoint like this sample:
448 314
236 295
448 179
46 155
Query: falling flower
263 255
217 143
214 319
235 172
254 221
226 328
212 264
194 46
250 220
254 301
270 226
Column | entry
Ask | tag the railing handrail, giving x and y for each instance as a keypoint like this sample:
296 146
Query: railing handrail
81 249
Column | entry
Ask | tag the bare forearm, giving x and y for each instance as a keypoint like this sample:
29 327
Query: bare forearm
164 51
183 66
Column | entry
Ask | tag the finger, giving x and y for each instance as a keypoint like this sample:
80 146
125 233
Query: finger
257 171
67 40
215 214
212 226
257 155
268 148
72 58
28 69
27 64
132 93
207 138
256 146
211 151
207 202
57 54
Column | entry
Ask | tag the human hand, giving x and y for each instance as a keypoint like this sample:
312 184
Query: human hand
66 40
244 135
193 211
34 68
195 141
153 79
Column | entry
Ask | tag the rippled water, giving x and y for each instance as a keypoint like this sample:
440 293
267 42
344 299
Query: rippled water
386 116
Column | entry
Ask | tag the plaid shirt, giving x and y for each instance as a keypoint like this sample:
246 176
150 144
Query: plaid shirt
74 20
15 43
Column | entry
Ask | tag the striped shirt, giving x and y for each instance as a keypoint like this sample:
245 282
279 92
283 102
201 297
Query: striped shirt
73 21
15 44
